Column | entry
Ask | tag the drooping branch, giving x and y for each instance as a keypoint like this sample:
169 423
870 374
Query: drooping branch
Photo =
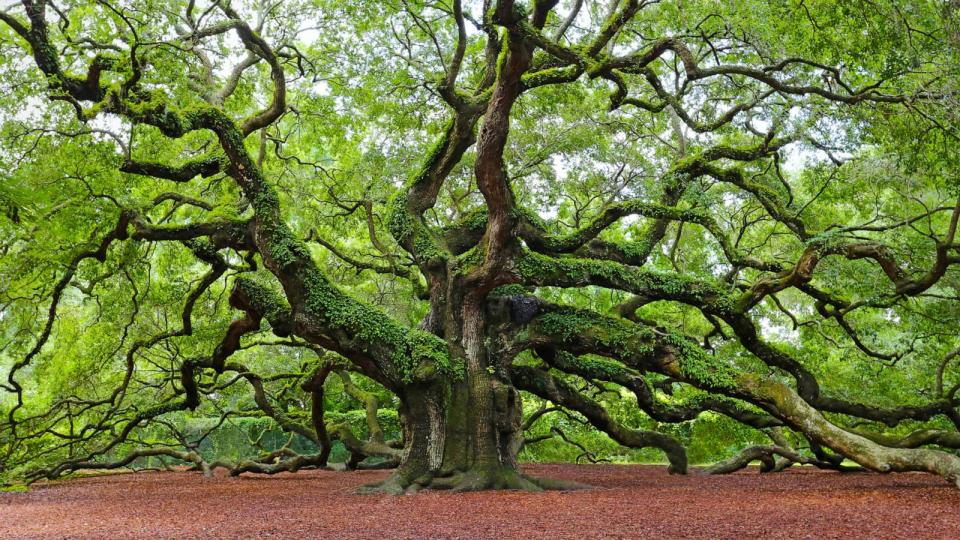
648 349
562 393
605 370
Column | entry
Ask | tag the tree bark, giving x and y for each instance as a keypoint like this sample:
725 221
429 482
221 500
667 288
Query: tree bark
463 434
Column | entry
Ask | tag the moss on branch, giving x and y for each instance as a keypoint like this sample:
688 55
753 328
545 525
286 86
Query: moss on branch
542 270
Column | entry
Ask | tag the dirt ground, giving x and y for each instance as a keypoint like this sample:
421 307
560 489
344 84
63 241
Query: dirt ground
628 502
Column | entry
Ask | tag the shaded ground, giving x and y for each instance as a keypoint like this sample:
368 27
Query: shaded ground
629 502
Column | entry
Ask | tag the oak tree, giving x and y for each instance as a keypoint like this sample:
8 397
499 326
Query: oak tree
740 208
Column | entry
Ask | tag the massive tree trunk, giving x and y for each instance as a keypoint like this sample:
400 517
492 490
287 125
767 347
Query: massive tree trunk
462 434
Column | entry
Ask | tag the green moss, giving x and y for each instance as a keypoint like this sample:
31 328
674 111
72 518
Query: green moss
546 76
539 269
408 231
592 367
202 248
531 217
471 258
827 241
592 330
699 366
475 221
504 49
282 247
399 221
406 227
426 348
636 252
510 290
607 335
415 353
267 299
426 249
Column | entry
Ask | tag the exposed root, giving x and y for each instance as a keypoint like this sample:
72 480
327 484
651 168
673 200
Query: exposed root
393 485
772 458
555 484
954 479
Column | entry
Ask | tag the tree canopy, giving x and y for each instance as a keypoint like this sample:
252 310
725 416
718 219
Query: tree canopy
482 215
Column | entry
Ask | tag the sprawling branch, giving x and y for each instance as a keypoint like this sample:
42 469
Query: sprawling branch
562 393
649 350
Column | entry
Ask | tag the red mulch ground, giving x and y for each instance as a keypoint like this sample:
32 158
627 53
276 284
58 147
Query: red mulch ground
629 502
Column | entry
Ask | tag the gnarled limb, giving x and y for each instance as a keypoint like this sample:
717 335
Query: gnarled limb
557 391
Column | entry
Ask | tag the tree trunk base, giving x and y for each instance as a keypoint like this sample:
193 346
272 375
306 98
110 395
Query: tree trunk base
476 479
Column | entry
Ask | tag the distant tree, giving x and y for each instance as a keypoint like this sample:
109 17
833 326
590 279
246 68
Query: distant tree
745 207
